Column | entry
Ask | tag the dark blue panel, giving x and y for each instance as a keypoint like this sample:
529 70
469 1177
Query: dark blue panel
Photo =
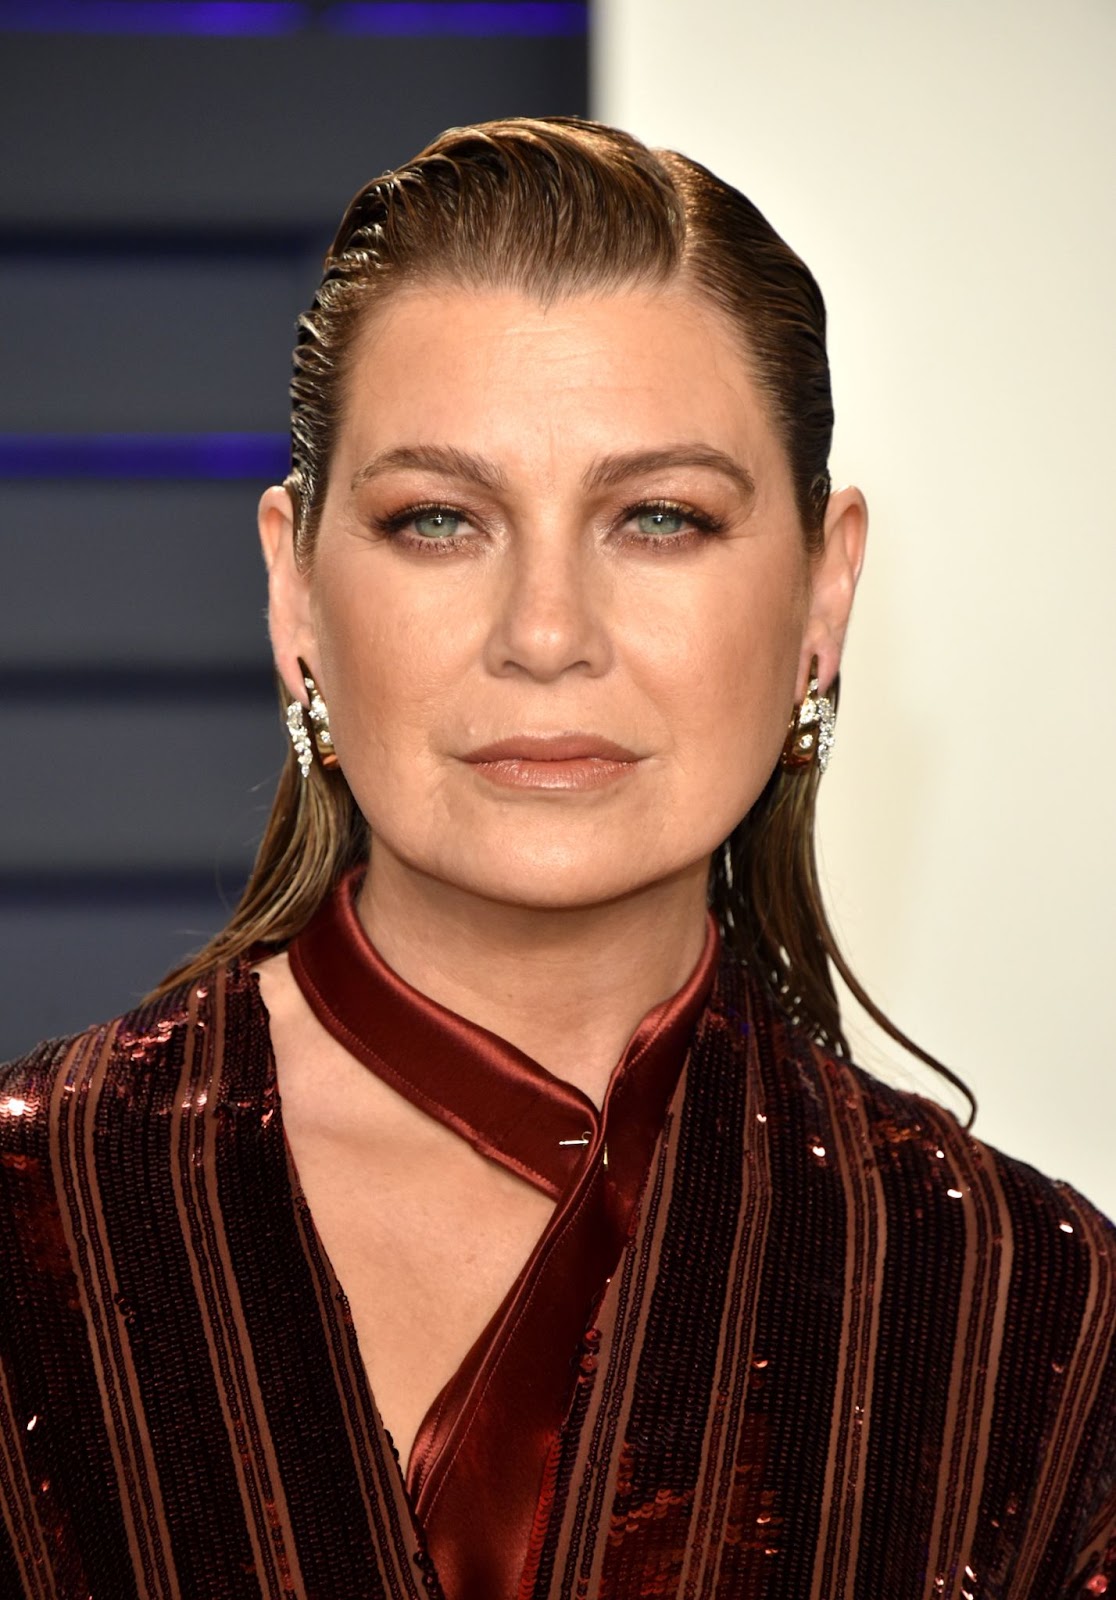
148 345
118 577
134 132
150 785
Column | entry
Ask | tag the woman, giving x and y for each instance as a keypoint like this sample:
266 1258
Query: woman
481 1212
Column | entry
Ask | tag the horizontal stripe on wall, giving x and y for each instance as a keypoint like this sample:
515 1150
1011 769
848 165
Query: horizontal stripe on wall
239 18
82 683
162 241
559 18
77 888
143 455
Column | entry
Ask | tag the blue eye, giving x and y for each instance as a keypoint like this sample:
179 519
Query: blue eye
661 521
436 524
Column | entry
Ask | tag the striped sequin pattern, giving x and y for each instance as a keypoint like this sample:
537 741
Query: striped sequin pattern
847 1353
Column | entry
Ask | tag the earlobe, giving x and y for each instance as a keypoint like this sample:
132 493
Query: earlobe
288 590
833 584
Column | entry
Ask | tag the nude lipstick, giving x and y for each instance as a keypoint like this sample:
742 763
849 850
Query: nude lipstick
567 761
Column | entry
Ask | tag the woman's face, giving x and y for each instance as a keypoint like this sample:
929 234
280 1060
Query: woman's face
559 607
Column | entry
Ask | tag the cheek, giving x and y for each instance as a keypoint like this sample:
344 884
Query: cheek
384 672
726 686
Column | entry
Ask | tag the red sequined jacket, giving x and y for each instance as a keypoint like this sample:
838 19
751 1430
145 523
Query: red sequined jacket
842 1349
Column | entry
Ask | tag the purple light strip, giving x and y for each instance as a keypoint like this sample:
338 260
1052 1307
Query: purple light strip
233 18
467 18
227 18
175 456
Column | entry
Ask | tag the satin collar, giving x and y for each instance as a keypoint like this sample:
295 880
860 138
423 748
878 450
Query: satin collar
497 1098
479 1460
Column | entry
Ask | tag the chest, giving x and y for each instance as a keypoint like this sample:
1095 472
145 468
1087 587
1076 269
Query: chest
425 1236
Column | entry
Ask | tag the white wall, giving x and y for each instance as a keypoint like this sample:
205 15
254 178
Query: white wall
949 173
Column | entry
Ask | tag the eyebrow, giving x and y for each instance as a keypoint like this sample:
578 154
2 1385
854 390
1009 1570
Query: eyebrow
432 458
611 470
603 474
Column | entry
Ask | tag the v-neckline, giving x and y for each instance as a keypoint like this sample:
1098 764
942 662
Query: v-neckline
477 1462
301 1202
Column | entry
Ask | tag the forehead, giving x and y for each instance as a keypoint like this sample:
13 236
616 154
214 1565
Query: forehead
489 368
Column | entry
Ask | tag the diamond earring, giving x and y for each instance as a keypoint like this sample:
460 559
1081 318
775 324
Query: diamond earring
317 737
296 727
810 735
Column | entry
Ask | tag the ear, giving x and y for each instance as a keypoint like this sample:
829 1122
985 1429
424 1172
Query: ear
833 578
288 592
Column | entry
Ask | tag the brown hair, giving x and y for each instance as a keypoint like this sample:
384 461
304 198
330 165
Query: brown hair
551 207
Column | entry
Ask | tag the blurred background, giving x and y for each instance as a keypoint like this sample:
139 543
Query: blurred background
949 173
170 175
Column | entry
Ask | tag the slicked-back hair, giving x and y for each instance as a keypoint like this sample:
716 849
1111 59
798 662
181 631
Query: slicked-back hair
554 207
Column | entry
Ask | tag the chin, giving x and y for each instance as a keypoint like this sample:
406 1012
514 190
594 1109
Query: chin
556 880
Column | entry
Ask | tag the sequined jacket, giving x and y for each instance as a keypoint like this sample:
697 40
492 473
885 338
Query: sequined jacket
845 1351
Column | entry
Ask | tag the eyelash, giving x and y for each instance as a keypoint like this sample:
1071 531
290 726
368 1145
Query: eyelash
701 523
392 527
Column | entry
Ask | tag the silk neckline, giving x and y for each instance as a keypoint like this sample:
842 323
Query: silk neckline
498 1099
478 1460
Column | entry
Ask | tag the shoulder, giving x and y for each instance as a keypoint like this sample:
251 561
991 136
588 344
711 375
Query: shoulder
128 1062
913 1133
898 1131
920 1148
978 1292
1021 1270
1022 1256
941 1195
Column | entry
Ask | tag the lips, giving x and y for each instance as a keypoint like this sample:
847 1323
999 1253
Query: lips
554 764
552 747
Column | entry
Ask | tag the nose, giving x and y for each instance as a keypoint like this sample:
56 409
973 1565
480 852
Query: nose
549 617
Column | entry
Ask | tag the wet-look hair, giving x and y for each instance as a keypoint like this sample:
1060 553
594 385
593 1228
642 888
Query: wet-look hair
553 207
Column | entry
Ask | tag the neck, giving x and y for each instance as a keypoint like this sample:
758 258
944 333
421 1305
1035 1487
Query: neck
568 987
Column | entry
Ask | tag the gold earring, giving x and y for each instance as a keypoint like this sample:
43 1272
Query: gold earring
810 734
315 738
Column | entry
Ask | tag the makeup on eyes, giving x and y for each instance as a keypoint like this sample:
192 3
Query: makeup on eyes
696 524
